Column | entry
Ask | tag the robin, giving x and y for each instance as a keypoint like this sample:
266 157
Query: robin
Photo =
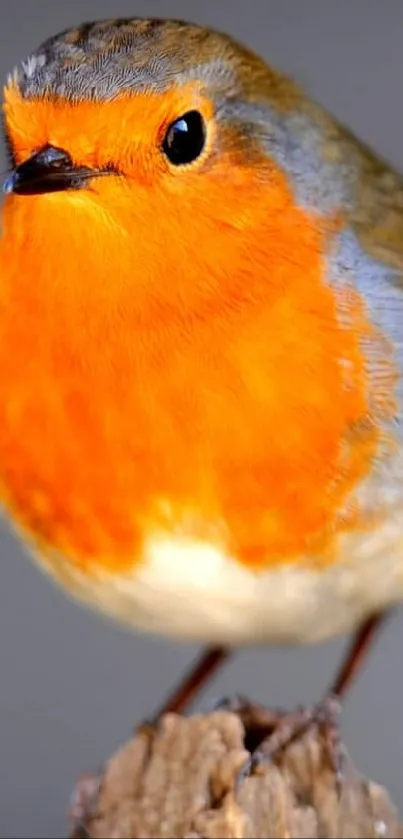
201 344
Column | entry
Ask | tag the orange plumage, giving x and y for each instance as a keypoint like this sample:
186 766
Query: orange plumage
188 355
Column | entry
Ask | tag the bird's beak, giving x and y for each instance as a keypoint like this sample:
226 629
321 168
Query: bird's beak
49 170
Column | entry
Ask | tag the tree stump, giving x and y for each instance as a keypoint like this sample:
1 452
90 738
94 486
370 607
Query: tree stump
184 781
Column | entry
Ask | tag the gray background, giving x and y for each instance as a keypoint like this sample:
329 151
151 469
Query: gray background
72 684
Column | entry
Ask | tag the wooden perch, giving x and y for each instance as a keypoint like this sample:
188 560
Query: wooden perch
182 782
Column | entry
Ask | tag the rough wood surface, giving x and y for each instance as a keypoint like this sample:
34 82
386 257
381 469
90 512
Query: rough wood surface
184 782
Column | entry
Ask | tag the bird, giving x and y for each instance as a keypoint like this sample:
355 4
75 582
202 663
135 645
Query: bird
201 344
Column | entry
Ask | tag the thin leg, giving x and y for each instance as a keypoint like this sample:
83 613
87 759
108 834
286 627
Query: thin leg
266 731
356 654
184 694
273 731
214 657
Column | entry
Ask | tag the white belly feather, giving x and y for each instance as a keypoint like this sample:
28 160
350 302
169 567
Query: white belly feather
194 591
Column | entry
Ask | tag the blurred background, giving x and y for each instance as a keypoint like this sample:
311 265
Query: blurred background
71 684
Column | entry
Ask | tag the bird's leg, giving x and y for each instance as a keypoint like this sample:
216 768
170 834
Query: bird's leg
269 732
214 657
356 653
266 731
183 695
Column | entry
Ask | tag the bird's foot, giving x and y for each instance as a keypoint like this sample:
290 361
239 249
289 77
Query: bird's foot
269 732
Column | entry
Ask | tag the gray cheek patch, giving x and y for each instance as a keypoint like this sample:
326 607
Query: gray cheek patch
319 183
295 142
377 284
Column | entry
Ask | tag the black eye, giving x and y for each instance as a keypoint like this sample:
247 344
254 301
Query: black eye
185 138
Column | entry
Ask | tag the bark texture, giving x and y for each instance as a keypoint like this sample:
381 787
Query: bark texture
184 780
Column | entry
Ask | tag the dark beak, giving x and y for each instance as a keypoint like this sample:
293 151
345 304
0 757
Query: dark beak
49 170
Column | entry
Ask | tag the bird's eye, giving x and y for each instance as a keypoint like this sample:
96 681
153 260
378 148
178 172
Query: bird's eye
185 138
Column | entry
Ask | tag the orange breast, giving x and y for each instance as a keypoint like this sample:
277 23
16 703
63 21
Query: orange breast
123 414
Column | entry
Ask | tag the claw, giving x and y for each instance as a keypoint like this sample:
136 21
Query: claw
234 704
270 732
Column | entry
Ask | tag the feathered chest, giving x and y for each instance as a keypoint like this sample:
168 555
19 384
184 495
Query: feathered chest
235 432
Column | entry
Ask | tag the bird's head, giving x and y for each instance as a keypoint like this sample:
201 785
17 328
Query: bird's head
157 152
